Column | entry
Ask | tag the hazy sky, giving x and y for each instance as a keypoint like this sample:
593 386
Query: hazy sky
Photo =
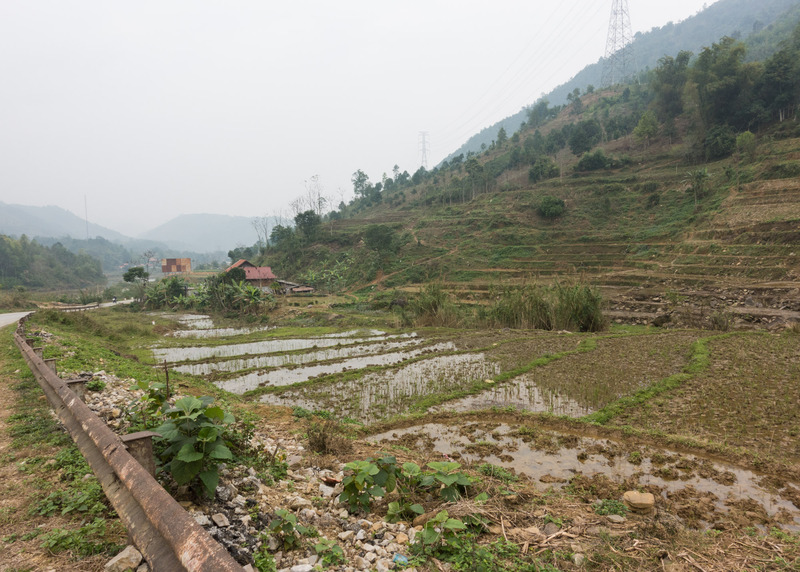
150 109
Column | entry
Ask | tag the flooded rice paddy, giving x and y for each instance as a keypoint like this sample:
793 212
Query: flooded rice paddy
372 376
378 395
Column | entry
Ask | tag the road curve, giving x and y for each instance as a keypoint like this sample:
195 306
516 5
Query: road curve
11 318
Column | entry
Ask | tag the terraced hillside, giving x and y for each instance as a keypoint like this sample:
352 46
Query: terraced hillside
637 232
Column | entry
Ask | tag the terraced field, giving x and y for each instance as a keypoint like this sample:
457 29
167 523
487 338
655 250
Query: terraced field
636 233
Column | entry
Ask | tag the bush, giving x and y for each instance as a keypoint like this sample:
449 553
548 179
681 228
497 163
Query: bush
551 207
720 143
544 168
593 161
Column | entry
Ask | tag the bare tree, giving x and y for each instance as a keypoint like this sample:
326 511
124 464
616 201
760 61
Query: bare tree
262 227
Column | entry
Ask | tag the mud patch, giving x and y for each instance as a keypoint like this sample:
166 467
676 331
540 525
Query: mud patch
702 492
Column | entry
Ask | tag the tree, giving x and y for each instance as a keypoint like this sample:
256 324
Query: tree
380 238
139 277
502 137
307 224
668 84
746 145
698 181
585 135
647 128
361 184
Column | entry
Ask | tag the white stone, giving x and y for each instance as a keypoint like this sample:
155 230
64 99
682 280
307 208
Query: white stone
346 535
128 559
220 519
201 519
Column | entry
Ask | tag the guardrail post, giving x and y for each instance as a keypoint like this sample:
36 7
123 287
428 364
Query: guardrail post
51 363
39 352
30 341
78 386
140 446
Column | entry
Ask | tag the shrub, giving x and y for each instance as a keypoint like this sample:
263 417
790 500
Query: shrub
593 161
544 168
551 207
720 142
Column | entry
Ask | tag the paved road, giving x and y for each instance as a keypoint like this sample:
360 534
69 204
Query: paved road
12 318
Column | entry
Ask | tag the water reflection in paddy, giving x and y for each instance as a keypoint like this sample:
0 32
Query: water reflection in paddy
260 347
280 360
502 445
521 393
383 394
283 377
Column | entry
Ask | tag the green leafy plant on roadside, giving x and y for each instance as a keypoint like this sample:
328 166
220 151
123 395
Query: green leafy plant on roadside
195 432
285 528
145 410
330 553
264 561
369 479
441 529
452 483
359 487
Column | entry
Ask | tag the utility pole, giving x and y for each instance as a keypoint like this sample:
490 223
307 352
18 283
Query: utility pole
619 62
423 149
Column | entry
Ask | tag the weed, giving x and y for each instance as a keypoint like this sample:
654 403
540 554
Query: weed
330 553
88 540
95 385
497 472
328 438
611 506
285 528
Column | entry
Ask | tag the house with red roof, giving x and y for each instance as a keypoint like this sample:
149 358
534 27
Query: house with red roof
259 276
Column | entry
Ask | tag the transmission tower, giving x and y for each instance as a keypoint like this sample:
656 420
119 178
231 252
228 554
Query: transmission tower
619 62
423 149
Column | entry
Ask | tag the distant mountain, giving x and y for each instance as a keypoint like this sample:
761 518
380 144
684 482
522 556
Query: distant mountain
739 19
16 220
205 232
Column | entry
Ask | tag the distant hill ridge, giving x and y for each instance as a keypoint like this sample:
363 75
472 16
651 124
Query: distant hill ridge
185 233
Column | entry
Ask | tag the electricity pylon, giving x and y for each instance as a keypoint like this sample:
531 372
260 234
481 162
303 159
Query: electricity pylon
423 149
619 62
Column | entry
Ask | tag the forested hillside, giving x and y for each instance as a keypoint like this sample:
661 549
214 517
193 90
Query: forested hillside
27 263
762 26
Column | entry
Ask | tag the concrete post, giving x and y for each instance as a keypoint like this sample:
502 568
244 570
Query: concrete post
51 363
140 446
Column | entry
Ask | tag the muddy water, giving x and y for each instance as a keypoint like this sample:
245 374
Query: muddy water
553 459
521 393
281 360
193 353
384 394
282 377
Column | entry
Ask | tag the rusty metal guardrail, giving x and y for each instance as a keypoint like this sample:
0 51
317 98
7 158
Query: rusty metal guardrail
166 535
